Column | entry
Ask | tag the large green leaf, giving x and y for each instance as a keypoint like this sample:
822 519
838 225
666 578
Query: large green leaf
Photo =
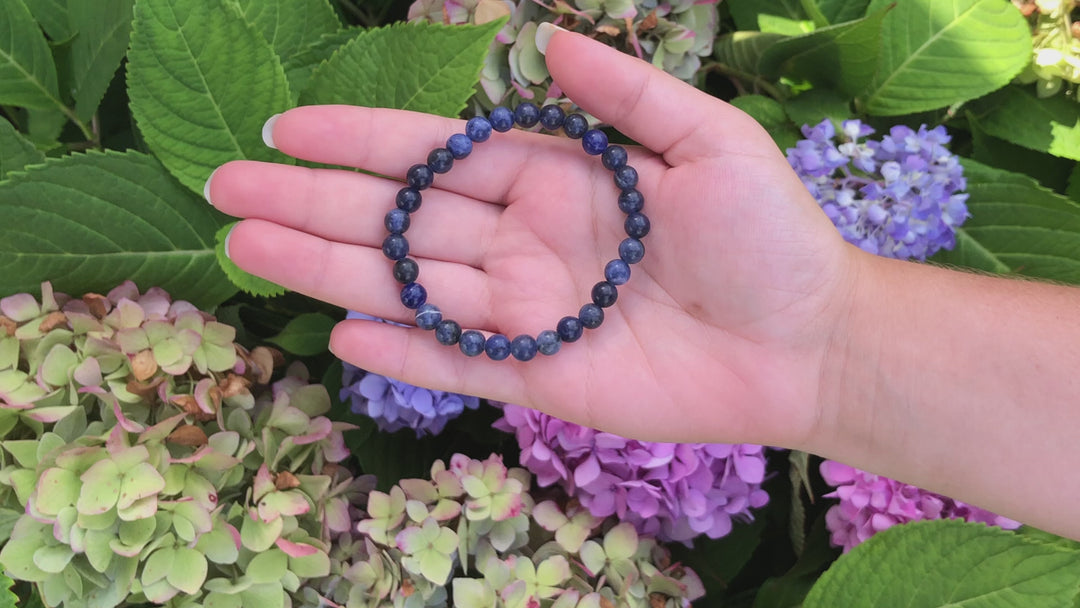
811 107
306 335
202 82
747 13
290 25
770 115
841 11
1050 171
89 221
300 66
937 53
949 563
743 50
27 71
1047 125
104 28
423 67
8 599
839 56
52 15
1016 226
15 151
246 281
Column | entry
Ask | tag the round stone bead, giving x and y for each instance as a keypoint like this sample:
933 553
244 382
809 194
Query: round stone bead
396 221
569 329
502 119
527 114
428 316
478 129
459 145
594 142
497 347
637 225
575 126
604 294
395 247
408 200
420 177
626 177
614 157
552 116
631 251
630 201
471 343
440 160
591 316
406 270
523 348
548 342
413 295
447 332
617 272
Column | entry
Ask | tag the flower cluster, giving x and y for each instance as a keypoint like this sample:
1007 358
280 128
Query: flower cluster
899 197
672 491
1055 58
870 503
674 35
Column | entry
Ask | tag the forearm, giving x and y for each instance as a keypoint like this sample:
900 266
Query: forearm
962 384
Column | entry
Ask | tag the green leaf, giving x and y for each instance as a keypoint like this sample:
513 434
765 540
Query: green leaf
15 151
782 25
423 67
811 107
1047 125
1051 171
718 561
104 28
290 25
1016 226
935 54
268 566
743 50
843 57
100 218
202 82
747 13
52 15
949 563
188 571
8 599
300 66
256 286
306 335
770 115
840 11
27 71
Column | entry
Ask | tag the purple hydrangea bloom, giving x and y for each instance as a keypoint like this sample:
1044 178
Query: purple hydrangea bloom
871 503
673 491
899 197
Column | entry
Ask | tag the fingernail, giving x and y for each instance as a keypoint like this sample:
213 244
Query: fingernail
268 131
543 35
226 246
206 187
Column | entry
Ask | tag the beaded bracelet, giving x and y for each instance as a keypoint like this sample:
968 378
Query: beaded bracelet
458 147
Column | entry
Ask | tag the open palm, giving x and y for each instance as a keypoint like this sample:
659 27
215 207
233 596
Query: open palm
720 333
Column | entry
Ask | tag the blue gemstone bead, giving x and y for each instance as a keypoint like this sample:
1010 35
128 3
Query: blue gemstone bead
478 129
630 201
604 294
420 177
459 145
594 142
617 272
552 116
626 177
523 348
471 343
527 115
501 119
408 199
440 160
548 342
497 347
448 332
614 157
569 329
631 251
575 126
591 316
428 316
406 270
413 295
395 247
637 225
396 221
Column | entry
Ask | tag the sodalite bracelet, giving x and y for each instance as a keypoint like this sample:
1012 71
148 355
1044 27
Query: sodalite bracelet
459 146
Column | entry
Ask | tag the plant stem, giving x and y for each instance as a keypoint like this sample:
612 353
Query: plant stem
758 82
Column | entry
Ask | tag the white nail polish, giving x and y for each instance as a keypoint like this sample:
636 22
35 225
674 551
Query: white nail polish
268 131
544 32
226 246
206 187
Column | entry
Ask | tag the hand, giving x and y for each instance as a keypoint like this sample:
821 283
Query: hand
722 331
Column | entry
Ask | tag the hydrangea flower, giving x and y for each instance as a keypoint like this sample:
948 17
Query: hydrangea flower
396 405
899 197
673 491
871 503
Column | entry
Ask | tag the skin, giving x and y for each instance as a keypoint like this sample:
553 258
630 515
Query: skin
749 320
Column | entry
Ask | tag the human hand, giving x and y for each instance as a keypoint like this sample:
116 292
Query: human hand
722 331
